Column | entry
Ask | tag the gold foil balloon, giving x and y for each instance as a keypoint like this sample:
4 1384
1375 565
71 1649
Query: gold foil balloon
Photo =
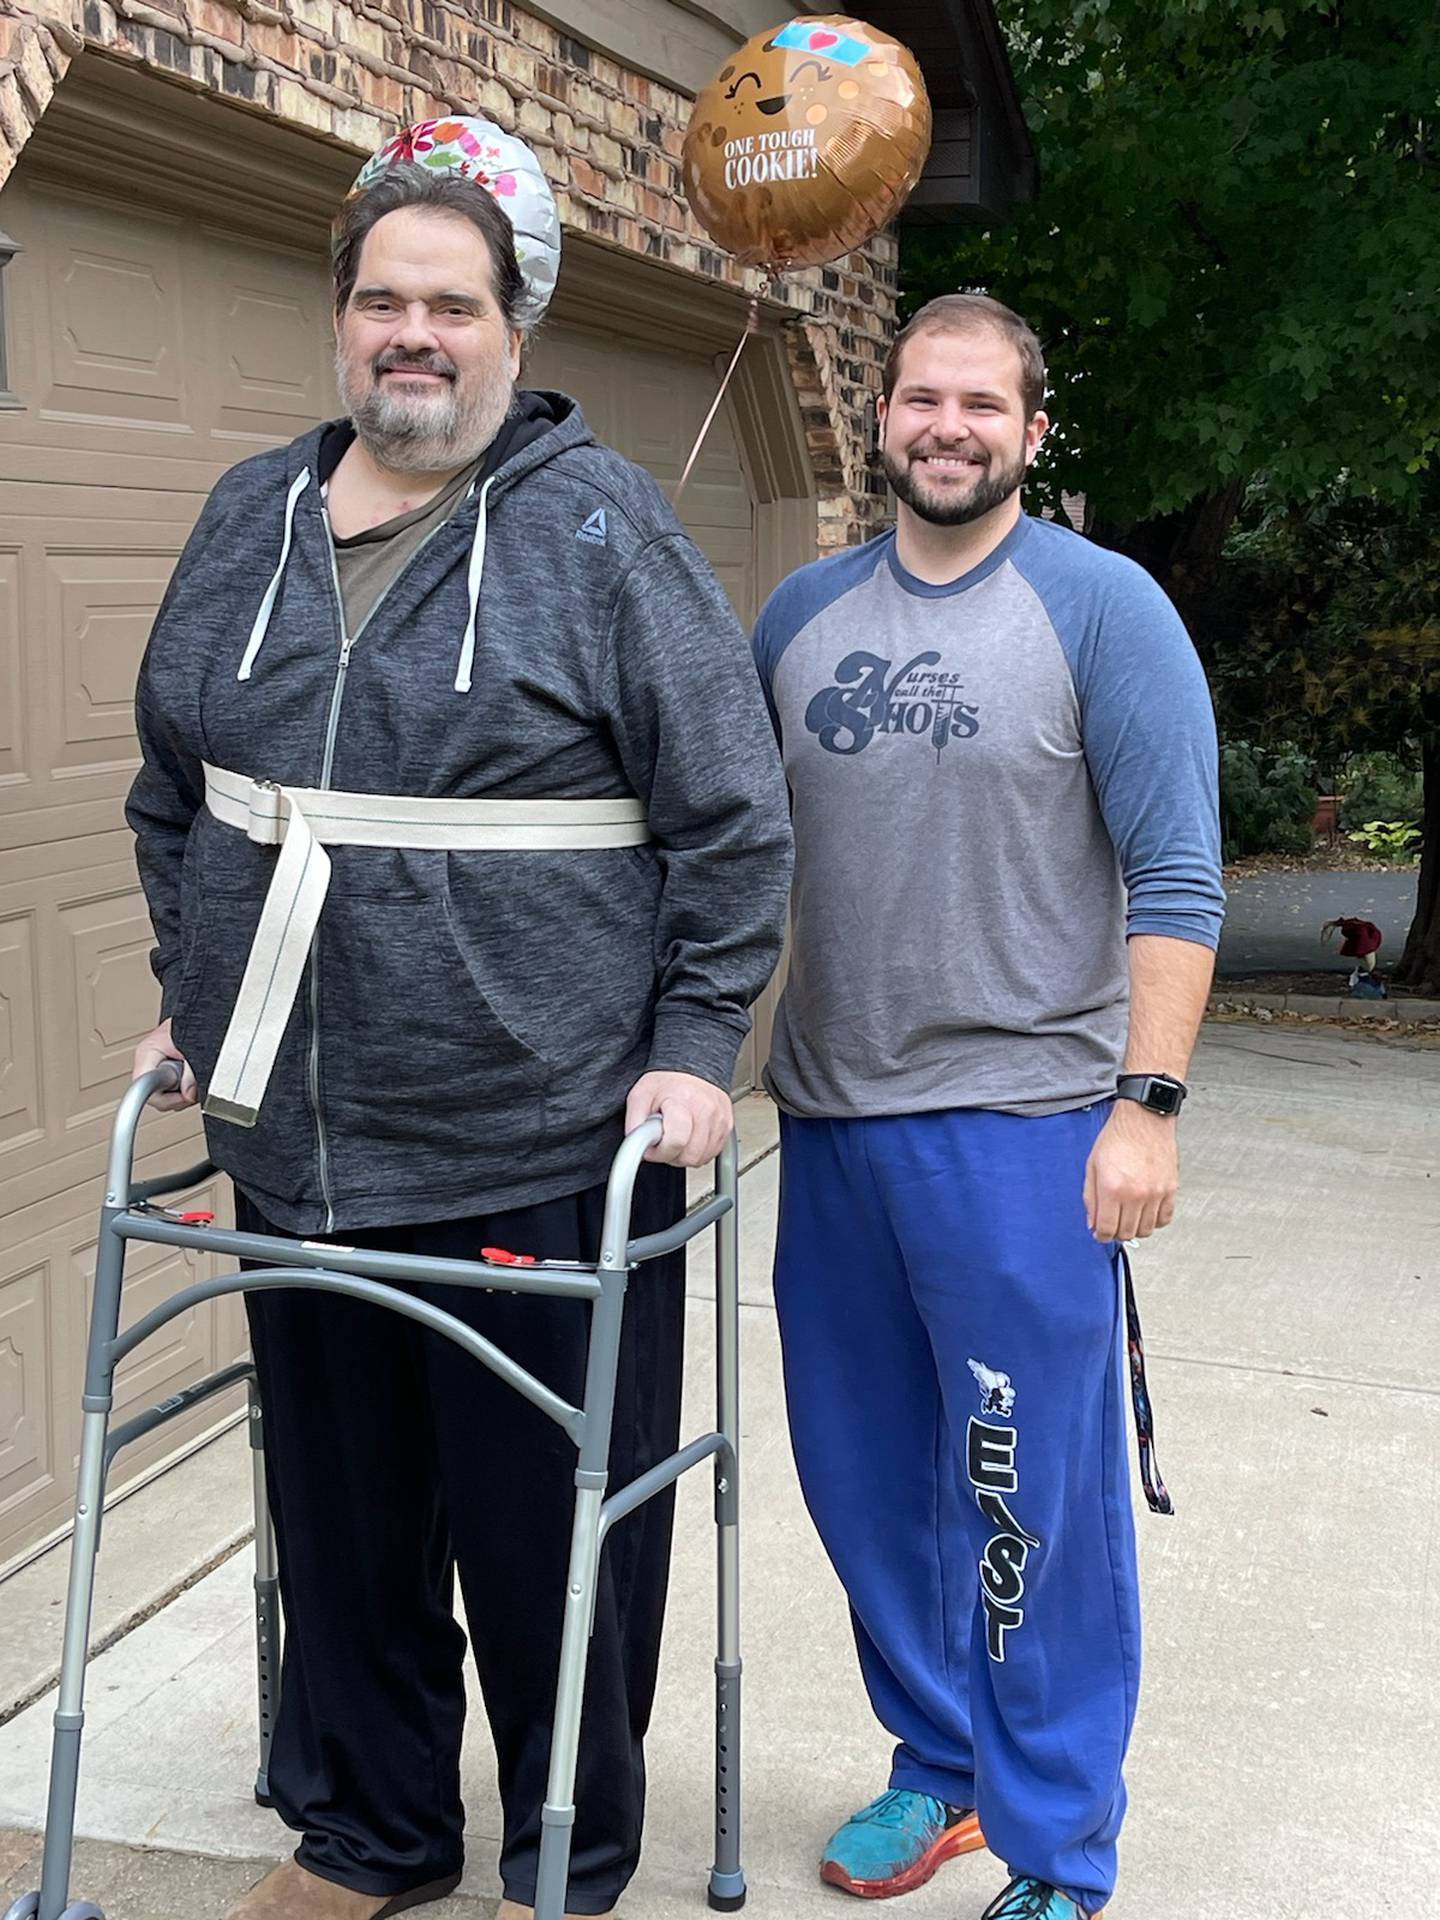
806 142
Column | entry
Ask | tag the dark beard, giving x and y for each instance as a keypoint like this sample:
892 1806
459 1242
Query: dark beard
992 488
426 439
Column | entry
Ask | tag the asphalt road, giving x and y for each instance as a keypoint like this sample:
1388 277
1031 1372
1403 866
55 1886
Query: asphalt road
1273 921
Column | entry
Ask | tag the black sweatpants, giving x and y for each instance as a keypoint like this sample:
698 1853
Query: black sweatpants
395 1460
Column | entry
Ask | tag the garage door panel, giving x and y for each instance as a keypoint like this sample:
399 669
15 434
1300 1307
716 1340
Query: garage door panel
142 337
711 497
101 605
656 400
21 1119
14 758
28 1450
581 364
86 590
270 324
115 344
109 996
76 993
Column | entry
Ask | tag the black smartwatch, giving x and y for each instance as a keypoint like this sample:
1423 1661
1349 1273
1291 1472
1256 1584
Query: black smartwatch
1159 1092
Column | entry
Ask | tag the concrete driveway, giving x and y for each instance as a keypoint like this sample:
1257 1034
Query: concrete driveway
1285 1764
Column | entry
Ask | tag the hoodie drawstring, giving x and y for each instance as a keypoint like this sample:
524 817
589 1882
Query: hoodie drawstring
477 568
272 592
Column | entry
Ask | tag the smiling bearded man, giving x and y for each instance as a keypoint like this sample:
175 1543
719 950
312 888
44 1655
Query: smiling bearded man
468 598
1007 893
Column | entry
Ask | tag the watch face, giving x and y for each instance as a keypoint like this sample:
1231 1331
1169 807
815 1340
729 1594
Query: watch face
1162 1097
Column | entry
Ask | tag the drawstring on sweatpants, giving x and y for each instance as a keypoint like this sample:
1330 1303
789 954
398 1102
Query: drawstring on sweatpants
1156 1492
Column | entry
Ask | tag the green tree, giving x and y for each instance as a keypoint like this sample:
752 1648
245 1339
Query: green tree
1232 258
1232 262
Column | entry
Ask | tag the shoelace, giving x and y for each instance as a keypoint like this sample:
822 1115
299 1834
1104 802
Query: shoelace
1023 1900
890 1809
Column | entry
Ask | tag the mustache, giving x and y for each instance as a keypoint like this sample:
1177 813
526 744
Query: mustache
395 359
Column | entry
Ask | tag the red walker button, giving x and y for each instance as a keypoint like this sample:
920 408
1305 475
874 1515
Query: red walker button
498 1257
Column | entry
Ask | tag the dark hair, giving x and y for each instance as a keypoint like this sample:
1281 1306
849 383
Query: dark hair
974 313
406 185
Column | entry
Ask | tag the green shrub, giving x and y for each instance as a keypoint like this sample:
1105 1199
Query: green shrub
1380 786
1267 800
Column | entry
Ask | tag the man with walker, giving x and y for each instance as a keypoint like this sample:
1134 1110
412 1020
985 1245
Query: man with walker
464 667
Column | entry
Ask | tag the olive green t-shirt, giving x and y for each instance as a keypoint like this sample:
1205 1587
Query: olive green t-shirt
369 562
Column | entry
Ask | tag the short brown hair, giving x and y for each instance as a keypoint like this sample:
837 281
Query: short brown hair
975 313
406 185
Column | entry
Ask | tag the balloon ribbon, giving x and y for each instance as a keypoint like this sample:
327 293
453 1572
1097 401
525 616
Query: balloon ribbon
752 325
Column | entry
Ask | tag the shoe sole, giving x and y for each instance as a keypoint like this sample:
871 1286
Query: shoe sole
965 1837
419 1896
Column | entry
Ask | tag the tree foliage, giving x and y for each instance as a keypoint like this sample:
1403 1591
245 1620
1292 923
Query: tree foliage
1322 625
1232 258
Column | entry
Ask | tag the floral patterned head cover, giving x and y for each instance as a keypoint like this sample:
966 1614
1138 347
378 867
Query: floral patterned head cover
480 151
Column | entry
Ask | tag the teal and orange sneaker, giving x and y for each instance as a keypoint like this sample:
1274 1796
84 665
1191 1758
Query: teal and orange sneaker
1028 1899
896 1843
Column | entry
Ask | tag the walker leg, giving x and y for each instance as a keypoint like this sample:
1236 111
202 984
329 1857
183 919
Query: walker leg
267 1603
727 1877
85 1545
557 1817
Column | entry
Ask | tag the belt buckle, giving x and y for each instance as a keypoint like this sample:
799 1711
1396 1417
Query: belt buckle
266 822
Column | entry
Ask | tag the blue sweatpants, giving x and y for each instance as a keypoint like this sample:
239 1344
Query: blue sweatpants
954 1346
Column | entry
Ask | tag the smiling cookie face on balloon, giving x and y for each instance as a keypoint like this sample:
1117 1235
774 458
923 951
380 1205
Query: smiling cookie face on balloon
805 71
806 141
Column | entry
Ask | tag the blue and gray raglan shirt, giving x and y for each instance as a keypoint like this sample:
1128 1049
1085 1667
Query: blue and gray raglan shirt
994 782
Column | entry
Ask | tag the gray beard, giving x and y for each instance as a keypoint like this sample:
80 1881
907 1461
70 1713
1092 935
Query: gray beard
992 488
423 433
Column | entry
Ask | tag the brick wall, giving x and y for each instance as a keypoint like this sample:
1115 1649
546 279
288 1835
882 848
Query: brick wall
35 56
609 139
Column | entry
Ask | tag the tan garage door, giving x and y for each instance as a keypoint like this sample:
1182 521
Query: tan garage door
148 353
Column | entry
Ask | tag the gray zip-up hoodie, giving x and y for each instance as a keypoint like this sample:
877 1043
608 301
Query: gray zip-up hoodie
471 1022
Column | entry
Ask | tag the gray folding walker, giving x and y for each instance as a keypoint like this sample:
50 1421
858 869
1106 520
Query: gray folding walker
128 1214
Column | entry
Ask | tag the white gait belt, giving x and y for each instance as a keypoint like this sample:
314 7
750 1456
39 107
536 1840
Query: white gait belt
302 822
